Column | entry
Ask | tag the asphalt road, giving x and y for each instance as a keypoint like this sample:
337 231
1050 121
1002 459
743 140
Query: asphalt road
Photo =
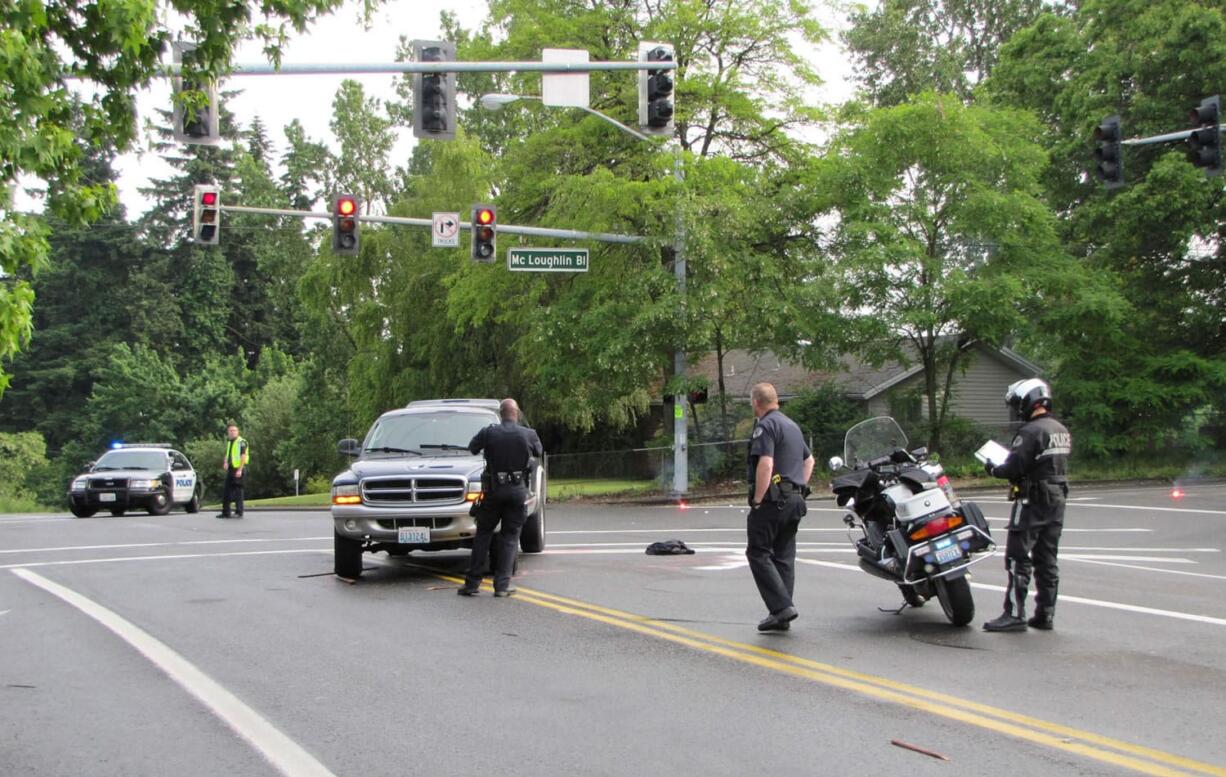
188 645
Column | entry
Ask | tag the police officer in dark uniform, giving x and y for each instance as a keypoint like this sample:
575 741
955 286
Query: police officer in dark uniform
1037 469
780 464
509 449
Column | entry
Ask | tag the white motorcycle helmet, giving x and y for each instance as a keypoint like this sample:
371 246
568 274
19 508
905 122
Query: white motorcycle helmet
1024 396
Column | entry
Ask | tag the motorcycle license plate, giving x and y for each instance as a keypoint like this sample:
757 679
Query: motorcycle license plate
412 535
946 555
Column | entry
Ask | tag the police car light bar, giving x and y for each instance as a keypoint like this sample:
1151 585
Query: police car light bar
140 445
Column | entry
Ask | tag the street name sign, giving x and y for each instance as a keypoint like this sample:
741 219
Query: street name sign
547 259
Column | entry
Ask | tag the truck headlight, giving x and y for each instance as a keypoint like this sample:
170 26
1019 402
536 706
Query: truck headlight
80 483
144 484
346 494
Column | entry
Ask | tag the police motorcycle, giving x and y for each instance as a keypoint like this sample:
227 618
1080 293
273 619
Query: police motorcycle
916 532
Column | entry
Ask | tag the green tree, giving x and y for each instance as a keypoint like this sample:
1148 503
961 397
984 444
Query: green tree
942 234
1131 380
904 47
117 49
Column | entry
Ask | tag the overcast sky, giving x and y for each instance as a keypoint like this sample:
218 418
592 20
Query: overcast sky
341 37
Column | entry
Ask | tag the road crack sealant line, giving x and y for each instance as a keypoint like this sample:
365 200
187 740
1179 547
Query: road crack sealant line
1100 748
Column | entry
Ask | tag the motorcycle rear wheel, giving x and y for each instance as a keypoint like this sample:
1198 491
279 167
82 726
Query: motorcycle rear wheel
956 600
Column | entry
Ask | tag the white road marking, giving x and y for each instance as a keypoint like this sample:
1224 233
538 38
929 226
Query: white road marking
73 562
1151 559
285 755
163 544
1187 616
1158 509
1151 569
839 529
5 612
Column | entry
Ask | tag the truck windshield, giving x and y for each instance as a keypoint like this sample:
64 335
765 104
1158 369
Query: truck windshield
438 431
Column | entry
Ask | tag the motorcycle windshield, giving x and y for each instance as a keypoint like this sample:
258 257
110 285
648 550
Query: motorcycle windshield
872 439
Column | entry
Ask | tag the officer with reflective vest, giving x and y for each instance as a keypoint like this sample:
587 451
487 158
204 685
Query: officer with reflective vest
510 449
1037 469
235 466
780 464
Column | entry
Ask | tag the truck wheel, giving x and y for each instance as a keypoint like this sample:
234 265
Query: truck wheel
117 511
532 538
956 600
194 505
346 557
159 505
81 511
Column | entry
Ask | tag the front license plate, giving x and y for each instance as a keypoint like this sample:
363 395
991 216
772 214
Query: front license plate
412 535
106 497
946 555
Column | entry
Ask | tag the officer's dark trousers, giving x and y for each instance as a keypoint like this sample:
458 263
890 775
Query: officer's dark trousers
771 531
505 506
1032 548
233 493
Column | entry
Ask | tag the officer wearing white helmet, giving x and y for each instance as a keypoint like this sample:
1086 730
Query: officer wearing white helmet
1037 467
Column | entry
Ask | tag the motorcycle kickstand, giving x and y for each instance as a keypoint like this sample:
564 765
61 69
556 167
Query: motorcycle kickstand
904 606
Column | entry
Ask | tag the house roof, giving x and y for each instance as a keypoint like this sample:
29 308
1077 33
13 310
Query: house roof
858 379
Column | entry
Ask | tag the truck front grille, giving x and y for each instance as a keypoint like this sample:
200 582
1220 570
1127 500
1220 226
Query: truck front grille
398 490
433 522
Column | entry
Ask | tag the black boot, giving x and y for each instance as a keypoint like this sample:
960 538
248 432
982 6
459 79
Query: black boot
1006 622
1042 620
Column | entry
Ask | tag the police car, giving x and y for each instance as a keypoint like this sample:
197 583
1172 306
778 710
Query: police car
147 476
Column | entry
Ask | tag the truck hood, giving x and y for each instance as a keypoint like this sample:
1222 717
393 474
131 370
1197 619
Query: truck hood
452 464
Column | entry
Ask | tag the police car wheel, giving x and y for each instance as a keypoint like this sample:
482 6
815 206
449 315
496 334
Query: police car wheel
159 504
532 538
346 557
81 511
194 505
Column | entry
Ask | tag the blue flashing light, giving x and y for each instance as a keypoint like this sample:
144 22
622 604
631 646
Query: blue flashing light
116 444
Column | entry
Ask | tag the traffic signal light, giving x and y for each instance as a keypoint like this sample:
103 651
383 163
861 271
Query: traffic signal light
1108 155
1205 142
485 233
206 214
434 94
198 126
345 225
698 396
656 90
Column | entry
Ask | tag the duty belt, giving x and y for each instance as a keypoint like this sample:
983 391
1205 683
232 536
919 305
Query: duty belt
516 478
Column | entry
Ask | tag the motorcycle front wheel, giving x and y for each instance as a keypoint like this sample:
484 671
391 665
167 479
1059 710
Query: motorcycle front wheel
956 600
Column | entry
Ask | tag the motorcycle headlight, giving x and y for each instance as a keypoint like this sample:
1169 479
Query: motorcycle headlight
144 484
80 483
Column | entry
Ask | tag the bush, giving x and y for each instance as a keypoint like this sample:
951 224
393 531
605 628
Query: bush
206 456
24 470
824 415
318 484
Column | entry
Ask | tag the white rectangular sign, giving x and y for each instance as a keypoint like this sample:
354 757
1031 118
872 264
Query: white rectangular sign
566 90
445 232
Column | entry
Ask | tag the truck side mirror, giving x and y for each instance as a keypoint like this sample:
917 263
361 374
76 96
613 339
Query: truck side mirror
349 447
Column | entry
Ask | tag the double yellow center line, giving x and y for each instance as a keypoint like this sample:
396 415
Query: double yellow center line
1143 759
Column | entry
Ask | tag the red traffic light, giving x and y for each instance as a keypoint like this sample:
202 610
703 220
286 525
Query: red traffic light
346 206
208 198
485 216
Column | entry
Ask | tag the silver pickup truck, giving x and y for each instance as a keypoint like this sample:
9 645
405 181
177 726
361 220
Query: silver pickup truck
413 481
